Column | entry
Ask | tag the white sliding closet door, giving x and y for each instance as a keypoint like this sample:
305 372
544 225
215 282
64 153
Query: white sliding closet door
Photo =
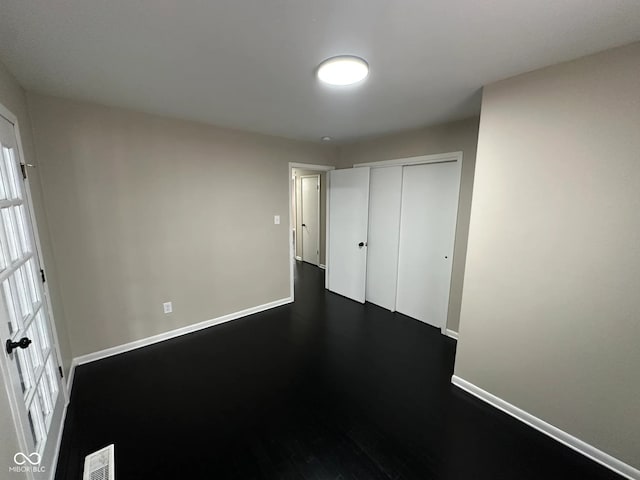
384 223
348 225
427 233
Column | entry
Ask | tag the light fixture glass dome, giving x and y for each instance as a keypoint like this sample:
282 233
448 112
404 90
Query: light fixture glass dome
343 70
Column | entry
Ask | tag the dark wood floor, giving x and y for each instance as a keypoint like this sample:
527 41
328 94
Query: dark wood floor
324 388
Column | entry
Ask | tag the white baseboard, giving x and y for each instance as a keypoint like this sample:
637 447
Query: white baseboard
298 258
561 436
324 267
452 334
108 352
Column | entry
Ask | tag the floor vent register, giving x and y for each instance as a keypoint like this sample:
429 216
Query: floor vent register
100 465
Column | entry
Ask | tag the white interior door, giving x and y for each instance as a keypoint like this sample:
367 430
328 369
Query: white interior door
348 220
310 200
427 233
385 193
31 369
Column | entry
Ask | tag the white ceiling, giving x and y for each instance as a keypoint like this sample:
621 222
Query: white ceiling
250 64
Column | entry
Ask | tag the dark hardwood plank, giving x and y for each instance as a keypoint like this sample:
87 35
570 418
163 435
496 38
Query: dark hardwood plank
324 388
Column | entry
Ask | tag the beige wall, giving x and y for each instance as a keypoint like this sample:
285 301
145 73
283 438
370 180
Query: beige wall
323 214
450 137
145 209
550 307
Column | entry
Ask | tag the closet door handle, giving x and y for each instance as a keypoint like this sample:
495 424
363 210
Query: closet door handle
362 244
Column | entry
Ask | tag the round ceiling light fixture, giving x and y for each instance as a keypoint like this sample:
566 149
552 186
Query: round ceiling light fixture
343 70
326 138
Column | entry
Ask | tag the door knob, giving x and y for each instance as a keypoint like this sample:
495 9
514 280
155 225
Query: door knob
24 342
361 244
304 224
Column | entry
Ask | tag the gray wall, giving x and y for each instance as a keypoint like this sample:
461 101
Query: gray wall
144 209
550 306
323 214
450 137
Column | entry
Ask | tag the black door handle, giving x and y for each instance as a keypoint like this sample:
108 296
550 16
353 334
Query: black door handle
361 244
24 342
304 224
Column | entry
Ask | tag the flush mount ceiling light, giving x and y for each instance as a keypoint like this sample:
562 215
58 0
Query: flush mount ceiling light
326 139
343 70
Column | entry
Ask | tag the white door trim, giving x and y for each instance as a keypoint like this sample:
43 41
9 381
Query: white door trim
308 166
437 158
318 176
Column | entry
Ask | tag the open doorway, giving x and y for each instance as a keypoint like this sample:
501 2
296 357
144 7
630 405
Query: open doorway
309 219
308 213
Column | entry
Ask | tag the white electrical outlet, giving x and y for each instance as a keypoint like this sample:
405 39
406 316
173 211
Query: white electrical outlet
276 219
168 307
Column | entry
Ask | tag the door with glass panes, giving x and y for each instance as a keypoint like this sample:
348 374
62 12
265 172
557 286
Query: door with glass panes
29 358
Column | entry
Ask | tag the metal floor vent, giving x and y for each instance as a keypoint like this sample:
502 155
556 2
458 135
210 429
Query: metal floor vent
100 465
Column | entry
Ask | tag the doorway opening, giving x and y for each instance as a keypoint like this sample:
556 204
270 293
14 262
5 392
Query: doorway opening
308 189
